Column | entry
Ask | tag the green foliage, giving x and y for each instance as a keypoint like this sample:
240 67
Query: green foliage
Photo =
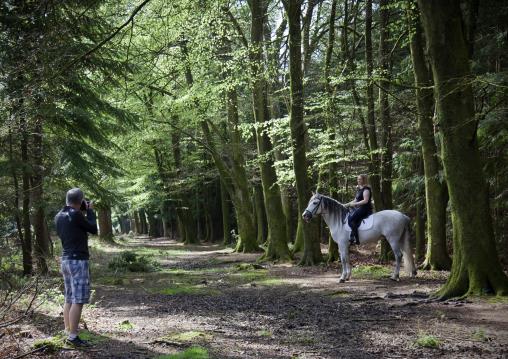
133 262
371 272
125 325
427 341
52 344
190 353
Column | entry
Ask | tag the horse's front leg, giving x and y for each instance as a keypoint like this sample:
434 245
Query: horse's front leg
344 259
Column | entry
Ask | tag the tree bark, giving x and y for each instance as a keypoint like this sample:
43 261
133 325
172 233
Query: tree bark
15 185
371 121
277 247
260 214
41 247
475 269
333 251
105 223
312 250
27 230
142 221
385 120
436 193
226 209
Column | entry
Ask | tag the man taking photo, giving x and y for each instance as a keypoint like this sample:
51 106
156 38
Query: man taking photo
73 227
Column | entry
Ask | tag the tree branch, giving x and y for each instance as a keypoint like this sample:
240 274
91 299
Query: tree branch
103 42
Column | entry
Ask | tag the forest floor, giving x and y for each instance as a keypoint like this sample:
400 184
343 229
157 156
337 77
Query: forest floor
208 302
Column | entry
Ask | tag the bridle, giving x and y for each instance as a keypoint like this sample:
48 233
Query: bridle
313 212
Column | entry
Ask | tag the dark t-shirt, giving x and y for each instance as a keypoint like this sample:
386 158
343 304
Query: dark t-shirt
73 228
367 207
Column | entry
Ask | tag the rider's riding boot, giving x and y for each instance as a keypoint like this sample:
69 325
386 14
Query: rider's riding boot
352 238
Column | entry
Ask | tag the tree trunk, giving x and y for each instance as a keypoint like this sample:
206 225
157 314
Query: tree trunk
385 119
142 221
420 233
15 185
476 269
371 121
137 223
41 247
333 249
105 223
260 214
312 250
436 196
27 230
226 209
277 247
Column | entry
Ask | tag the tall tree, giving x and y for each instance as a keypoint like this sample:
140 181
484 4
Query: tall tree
436 194
312 250
475 268
277 247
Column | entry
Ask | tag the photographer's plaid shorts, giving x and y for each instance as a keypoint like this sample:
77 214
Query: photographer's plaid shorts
76 280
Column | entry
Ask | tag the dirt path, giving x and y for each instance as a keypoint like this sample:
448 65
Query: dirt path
204 297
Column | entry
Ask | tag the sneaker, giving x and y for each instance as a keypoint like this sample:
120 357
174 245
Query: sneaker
77 342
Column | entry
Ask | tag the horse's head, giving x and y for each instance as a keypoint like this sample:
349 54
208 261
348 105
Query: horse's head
313 207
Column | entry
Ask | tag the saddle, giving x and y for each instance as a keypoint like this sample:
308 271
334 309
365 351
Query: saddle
367 223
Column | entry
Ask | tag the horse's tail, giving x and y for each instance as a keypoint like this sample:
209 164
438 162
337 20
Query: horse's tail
407 250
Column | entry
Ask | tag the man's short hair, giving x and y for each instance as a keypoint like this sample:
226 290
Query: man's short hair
74 196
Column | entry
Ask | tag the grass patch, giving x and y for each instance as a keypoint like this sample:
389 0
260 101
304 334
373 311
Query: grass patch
189 337
371 271
190 353
264 333
303 339
498 299
133 262
270 281
91 337
52 344
111 280
480 335
125 325
339 294
427 341
188 289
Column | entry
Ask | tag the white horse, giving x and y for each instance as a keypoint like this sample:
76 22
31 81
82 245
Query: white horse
389 224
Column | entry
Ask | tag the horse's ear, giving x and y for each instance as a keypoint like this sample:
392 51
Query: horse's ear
313 193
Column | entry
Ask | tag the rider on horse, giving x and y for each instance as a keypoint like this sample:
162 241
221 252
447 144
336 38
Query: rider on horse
363 204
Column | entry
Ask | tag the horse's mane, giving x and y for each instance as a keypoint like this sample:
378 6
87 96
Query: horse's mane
333 206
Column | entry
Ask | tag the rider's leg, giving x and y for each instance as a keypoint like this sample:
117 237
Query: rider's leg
354 222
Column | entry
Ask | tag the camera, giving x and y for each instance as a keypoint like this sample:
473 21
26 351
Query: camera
84 205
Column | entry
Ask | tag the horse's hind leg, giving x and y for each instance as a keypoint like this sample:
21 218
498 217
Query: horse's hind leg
398 258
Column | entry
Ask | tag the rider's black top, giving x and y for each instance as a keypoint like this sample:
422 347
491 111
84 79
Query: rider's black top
359 197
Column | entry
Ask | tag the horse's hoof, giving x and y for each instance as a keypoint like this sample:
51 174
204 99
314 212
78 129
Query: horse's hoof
341 280
395 279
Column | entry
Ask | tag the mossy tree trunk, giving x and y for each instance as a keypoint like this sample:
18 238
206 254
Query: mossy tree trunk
260 214
436 193
226 209
386 167
331 169
311 243
277 247
476 268
371 120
